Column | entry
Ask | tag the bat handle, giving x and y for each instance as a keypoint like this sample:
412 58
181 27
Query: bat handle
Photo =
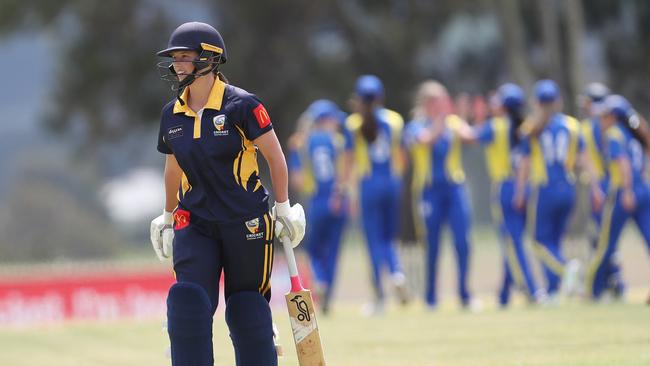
291 263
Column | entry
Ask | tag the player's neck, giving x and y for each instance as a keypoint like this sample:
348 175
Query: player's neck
200 92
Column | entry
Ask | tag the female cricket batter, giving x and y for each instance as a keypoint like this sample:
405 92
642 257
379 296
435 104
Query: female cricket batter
434 136
551 147
211 133
628 194
324 160
376 135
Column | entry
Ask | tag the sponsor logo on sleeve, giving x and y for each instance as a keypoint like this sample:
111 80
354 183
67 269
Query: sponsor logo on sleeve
219 123
253 227
175 132
262 116
181 219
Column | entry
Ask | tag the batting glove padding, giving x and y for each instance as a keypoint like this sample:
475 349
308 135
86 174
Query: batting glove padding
289 221
162 235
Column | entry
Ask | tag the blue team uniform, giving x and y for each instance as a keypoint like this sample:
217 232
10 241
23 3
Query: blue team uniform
222 221
620 144
378 168
502 160
443 198
553 155
595 147
319 161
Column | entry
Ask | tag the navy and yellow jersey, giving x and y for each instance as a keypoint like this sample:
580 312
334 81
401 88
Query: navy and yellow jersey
320 161
554 151
621 144
382 157
594 144
440 162
495 136
215 150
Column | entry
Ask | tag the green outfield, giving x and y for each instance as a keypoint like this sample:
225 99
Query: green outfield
613 334
573 334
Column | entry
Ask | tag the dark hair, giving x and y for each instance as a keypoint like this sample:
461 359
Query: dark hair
369 123
516 116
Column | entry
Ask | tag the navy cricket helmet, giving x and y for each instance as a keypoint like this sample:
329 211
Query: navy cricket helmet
618 106
193 36
596 92
369 87
546 91
512 96
324 108
196 36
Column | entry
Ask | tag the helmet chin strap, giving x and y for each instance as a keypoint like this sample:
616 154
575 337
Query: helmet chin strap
189 79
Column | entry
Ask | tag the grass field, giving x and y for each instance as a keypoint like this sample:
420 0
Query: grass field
613 334
573 334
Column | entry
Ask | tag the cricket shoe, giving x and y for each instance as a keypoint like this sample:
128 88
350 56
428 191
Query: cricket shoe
375 308
399 281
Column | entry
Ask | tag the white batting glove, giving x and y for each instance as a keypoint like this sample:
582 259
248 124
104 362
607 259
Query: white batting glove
162 235
289 221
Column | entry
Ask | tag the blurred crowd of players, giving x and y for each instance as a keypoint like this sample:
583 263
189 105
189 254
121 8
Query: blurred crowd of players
355 164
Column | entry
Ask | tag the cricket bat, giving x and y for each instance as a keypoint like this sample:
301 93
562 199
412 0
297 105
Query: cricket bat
302 315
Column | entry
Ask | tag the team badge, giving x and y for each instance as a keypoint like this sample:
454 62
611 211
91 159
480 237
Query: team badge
253 227
219 123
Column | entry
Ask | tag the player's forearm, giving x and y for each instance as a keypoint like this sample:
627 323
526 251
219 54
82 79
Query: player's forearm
172 176
626 173
279 177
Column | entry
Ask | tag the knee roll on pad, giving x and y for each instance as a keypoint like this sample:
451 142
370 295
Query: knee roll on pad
251 329
189 324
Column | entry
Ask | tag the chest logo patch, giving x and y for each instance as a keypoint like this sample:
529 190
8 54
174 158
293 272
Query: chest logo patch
219 123
253 227
175 132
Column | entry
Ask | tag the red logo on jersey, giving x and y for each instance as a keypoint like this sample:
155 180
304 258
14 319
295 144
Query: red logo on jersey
181 218
262 116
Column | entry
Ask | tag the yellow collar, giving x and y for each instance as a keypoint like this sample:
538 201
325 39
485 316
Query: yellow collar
214 100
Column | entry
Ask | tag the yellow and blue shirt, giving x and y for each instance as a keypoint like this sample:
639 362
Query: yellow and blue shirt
554 151
215 150
437 163
320 161
621 143
499 154
382 156
594 145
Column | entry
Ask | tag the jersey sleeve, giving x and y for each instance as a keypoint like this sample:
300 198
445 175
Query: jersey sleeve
255 120
163 146
485 133
410 135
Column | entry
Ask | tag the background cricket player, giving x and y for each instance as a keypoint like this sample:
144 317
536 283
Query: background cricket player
323 163
628 195
551 146
501 140
436 132
211 133
378 167
592 131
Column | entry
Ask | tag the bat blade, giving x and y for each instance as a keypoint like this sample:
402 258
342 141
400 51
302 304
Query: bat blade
305 329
